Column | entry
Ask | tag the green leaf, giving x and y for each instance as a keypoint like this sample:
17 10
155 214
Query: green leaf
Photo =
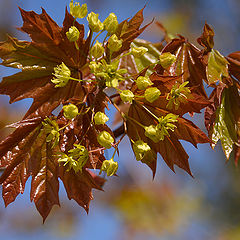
225 127
150 57
217 67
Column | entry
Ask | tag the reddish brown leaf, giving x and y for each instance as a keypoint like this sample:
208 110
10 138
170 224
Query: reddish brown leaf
188 64
129 30
206 39
194 103
15 183
18 136
215 99
170 148
14 177
79 186
45 185
49 48
234 65
167 39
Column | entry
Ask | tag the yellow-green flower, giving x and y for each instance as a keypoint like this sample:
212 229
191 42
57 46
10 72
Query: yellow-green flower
137 52
114 44
143 82
97 50
100 118
152 132
178 94
62 74
152 94
165 124
94 23
140 148
127 96
70 111
105 139
78 11
51 128
76 159
111 23
167 59
109 166
73 34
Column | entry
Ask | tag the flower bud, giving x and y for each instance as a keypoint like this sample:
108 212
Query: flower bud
109 166
70 111
105 139
137 52
62 74
152 94
94 23
127 96
97 50
78 11
140 148
152 132
143 82
73 34
100 118
167 59
111 23
114 44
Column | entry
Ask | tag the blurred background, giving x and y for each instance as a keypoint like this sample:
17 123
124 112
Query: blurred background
133 207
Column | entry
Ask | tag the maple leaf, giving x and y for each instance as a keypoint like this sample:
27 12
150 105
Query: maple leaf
167 36
188 63
222 118
31 155
37 59
234 66
206 39
129 30
217 67
26 152
216 63
147 113
82 131
148 60
79 186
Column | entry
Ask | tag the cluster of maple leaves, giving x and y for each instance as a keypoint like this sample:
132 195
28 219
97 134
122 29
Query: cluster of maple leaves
25 152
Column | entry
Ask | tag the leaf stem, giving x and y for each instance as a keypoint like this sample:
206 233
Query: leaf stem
96 38
150 112
60 129
134 120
